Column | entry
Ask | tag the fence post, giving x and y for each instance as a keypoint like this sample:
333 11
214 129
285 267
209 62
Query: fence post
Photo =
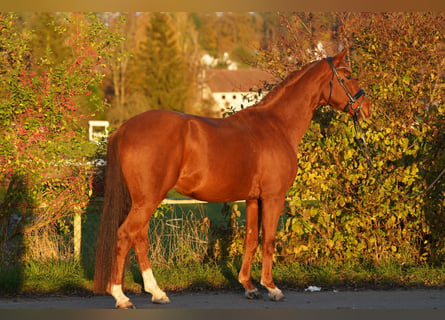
77 234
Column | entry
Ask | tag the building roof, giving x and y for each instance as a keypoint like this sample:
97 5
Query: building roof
223 80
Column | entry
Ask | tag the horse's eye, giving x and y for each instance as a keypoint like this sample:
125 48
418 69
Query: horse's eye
349 77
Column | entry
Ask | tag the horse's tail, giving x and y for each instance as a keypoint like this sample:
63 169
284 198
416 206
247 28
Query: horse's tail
117 204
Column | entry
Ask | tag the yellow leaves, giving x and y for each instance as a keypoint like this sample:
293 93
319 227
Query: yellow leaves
390 223
341 202
297 228
349 154
410 174
406 80
403 142
301 248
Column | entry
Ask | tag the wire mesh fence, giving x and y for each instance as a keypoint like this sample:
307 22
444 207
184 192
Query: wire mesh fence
180 231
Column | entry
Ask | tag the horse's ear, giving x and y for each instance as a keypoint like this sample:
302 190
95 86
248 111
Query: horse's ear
341 56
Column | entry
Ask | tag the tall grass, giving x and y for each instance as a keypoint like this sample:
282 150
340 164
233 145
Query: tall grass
48 243
178 237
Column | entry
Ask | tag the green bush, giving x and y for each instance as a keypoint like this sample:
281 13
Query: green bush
44 153
339 209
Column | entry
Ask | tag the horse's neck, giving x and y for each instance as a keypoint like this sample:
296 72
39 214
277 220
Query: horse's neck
294 108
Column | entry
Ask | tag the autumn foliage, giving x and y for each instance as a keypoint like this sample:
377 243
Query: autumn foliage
45 165
340 208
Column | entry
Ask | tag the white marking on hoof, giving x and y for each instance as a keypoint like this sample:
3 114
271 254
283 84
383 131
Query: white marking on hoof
125 305
151 286
275 294
162 300
122 301
252 294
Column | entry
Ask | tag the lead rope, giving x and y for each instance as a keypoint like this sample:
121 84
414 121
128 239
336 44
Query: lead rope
361 142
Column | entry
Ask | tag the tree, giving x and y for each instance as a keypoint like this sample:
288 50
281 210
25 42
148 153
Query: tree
269 29
159 70
43 146
188 40
116 81
295 41
231 33
47 40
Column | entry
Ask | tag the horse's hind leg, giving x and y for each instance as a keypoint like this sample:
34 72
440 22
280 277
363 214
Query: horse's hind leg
134 232
150 285
123 245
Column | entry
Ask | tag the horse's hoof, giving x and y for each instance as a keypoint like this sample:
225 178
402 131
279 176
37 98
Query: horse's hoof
252 294
162 300
125 305
276 295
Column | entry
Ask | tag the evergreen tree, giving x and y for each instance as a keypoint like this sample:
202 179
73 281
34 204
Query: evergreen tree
160 70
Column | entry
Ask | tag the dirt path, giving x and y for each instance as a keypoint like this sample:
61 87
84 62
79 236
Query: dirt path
333 300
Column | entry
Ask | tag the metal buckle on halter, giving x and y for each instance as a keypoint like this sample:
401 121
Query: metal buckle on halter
353 100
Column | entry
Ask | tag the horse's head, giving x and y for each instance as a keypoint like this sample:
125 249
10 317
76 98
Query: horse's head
344 91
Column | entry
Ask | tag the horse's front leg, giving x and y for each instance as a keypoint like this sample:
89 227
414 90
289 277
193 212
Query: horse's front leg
271 211
251 244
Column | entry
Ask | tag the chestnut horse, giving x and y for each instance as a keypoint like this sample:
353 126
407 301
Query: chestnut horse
251 155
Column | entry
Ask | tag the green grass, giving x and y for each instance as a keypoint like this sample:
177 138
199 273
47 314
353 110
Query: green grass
70 277
43 277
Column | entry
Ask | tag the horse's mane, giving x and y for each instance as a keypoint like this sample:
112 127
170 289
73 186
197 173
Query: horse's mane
291 78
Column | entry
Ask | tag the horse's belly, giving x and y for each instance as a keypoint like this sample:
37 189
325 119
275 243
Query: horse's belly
218 185
210 197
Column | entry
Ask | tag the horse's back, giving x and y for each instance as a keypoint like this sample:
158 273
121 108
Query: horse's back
152 126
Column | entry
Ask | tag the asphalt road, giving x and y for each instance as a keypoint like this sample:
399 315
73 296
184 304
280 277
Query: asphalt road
425 299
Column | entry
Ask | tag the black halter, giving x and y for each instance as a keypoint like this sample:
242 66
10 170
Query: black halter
352 98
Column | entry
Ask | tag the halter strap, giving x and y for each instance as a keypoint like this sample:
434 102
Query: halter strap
352 98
